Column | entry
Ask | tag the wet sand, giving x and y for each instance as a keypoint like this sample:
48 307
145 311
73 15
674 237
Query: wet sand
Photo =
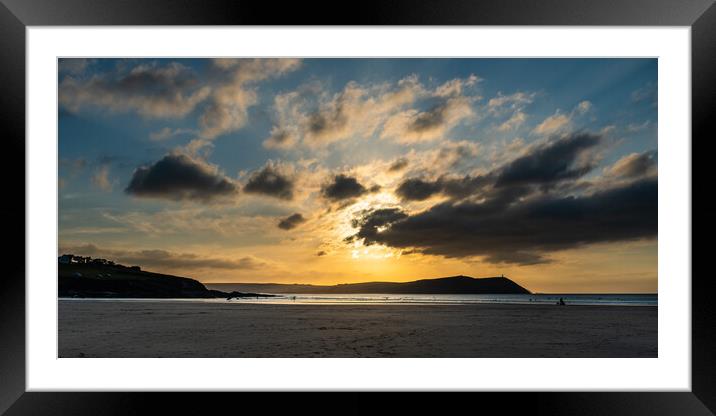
89 328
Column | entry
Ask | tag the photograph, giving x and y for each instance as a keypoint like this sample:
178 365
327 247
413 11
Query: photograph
213 201
357 207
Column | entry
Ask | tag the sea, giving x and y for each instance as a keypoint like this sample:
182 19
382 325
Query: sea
534 299
437 299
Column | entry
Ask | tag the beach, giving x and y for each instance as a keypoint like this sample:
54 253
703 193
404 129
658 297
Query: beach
175 328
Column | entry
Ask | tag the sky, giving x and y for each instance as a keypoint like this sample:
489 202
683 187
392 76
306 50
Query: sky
328 171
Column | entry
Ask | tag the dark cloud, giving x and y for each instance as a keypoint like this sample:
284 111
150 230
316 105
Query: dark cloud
270 181
398 165
162 259
521 233
429 120
160 80
321 253
517 257
177 177
418 189
463 187
320 123
343 187
150 89
370 221
524 210
292 221
328 120
560 160
415 189
555 161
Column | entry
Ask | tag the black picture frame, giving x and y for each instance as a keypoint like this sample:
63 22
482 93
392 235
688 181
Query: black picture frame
15 15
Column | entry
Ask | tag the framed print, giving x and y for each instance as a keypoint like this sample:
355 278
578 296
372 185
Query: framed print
486 198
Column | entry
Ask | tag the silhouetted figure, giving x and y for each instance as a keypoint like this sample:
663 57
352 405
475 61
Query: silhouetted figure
561 302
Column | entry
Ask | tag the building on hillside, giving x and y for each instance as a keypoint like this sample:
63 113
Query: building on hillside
103 262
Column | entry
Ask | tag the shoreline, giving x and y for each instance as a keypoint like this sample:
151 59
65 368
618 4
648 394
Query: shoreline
286 301
174 328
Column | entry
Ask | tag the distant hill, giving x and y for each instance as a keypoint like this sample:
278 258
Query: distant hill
445 285
117 281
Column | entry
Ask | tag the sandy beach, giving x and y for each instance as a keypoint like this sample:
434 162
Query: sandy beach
89 328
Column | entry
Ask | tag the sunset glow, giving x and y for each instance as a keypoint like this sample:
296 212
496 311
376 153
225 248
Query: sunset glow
328 171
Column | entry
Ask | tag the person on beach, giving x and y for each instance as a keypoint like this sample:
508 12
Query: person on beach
561 302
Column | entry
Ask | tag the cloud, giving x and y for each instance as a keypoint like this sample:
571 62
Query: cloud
280 139
180 177
517 257
636 127
167 133
521 233
455 154
199 221
227 110
172 90
552 124
648 93
607 130
152 90
583 107
74 166
634 165
292 221
415 189
457 86
559 122
271 180
517 119
100 178
398 165
511 106
561 159
515 212
501 104
452 107
369 222
163 259
414 126
312 117
343 187
357 111
247 70
74 66
545 165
